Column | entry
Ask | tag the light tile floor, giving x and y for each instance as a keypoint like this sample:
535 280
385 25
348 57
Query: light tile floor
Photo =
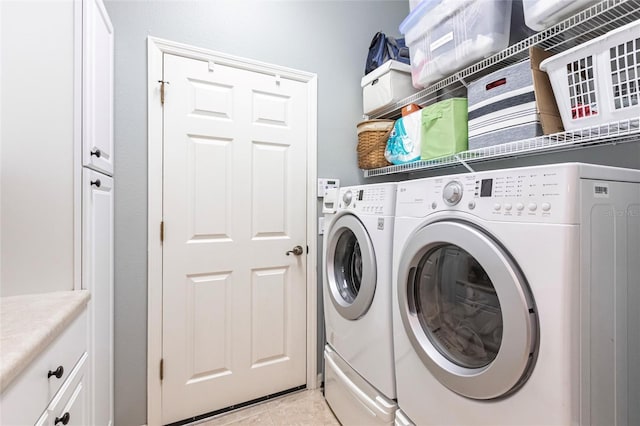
302 408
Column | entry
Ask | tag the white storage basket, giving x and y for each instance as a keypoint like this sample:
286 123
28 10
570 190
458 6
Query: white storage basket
598 82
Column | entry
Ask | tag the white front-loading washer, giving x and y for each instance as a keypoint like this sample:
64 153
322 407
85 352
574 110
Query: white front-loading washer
517 297
360 375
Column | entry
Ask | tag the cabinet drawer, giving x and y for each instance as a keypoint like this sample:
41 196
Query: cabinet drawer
69 406
27 397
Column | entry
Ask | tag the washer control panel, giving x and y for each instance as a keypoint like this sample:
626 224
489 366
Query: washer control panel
377 199
545 193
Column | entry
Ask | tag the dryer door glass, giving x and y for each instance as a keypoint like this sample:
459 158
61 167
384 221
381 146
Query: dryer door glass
458 307
467 309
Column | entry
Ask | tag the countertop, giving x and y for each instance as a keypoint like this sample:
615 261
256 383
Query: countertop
29 323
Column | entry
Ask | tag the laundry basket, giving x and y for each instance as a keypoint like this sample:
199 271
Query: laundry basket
372 141
598 82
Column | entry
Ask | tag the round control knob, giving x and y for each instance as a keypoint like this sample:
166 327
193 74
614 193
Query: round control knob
546 207
497 207
452 193
472 205
533 207
347 197
507 207
520 206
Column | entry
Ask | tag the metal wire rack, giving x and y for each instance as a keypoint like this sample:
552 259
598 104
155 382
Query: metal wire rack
611 133
582 27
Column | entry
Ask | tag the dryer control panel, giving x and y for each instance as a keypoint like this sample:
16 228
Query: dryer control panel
546 194
377 199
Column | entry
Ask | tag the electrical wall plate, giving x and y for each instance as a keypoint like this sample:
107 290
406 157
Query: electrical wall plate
326 183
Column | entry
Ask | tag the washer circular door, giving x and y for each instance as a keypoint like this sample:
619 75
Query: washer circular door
350 267
467 310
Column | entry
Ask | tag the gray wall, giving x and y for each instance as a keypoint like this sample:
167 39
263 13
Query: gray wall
329 38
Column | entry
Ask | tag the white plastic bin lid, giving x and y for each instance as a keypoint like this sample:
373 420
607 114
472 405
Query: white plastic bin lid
415 25
416 14
383 69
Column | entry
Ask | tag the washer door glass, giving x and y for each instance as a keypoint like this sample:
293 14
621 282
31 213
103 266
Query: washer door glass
347 266
467 310
457 306
350 267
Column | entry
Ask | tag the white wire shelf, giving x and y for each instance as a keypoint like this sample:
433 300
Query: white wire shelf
584 26
606 134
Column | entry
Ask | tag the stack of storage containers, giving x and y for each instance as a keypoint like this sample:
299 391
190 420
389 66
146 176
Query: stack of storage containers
594 83
445 36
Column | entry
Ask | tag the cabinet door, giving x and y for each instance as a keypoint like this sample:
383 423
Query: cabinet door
97 87
97 277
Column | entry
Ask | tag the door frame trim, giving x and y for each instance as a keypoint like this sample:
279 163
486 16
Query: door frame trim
156 48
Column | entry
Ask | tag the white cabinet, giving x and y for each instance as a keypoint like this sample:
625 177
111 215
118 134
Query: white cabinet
97 87
97 201
42 388
97 277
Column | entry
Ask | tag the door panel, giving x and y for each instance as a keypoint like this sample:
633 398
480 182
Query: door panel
269 324
234 191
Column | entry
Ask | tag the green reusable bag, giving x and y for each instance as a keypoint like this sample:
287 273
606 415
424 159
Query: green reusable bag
444 128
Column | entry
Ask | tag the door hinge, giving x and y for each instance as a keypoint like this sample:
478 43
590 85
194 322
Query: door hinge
161 368
162 84
162 231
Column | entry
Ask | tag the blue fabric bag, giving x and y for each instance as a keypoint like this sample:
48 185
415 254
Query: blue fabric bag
384 48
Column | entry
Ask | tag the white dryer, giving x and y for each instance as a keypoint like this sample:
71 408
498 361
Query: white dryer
359 367
517 297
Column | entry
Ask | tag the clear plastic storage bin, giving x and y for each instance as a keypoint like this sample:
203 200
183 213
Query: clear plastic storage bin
598 82
541 14
444 36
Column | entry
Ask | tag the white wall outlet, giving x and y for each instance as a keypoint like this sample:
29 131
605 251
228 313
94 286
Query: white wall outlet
326 183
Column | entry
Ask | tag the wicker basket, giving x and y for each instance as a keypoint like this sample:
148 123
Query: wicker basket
372 141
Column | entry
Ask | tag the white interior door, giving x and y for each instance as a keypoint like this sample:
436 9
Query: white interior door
234 203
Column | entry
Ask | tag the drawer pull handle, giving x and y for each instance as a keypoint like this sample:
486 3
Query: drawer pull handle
64 419
96 153
58 372
96 183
